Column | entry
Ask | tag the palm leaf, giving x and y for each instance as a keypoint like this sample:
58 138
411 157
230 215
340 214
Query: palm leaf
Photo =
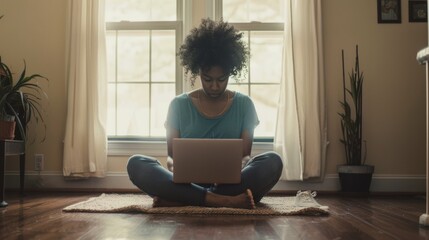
25 95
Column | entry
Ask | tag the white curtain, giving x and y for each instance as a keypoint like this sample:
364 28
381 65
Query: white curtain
300 136
85 143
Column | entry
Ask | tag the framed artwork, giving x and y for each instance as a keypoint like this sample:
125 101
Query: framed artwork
417 11
389 11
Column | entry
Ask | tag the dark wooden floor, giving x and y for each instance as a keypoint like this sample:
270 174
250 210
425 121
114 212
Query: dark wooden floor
39 216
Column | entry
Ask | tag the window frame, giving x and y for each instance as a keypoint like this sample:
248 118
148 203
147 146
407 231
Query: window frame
178 27
158 148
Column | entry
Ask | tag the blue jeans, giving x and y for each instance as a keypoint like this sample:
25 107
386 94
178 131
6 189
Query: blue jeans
259 175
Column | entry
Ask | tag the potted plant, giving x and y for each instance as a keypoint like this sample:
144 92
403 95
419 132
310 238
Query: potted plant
355 175
19 102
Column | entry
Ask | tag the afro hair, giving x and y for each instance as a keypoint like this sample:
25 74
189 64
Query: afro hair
214 43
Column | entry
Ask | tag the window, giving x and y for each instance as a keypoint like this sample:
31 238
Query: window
262 25
143 72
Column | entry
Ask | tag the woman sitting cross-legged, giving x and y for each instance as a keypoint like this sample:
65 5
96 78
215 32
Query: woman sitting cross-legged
214 51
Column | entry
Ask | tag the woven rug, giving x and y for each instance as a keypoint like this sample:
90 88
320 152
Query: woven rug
140 203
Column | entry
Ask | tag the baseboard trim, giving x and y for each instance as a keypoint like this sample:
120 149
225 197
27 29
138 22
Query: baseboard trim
119 181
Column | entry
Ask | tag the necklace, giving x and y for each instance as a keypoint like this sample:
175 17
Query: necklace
200 104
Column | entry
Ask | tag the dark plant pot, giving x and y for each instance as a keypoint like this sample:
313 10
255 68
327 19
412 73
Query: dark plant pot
7 130
355 178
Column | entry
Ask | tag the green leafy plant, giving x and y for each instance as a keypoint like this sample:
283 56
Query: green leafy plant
351 117
20 99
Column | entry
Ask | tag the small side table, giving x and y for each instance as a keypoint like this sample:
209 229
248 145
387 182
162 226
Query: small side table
9 148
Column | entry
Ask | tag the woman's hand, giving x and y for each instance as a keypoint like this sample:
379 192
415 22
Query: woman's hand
170 164
244 161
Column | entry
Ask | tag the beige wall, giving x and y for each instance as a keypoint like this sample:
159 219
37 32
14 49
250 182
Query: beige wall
394 96
35 31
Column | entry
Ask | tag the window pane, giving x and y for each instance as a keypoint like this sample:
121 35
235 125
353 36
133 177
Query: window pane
133 56
266 56
133 109
162 94
265 99
111 55
163 56
244 78
242 88
138 10
253 10
111 109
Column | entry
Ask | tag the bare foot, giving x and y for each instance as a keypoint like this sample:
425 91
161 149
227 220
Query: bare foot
158 202
244 200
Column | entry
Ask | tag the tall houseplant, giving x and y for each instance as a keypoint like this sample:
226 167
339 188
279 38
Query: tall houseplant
20 100
355 175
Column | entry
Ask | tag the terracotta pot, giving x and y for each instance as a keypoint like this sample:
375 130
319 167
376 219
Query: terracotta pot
7 130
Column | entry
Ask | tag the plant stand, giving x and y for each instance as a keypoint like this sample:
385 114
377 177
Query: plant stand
9 148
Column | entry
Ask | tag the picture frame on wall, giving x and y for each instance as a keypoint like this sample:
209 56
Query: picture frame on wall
417 11
389 11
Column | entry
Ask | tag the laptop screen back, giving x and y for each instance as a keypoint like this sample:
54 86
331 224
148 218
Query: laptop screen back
207 160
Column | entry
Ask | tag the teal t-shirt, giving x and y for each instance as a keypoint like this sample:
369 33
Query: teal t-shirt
185 117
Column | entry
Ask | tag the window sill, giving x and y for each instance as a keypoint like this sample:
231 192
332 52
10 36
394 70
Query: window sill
159 148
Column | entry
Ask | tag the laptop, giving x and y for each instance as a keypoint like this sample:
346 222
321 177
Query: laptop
207 160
